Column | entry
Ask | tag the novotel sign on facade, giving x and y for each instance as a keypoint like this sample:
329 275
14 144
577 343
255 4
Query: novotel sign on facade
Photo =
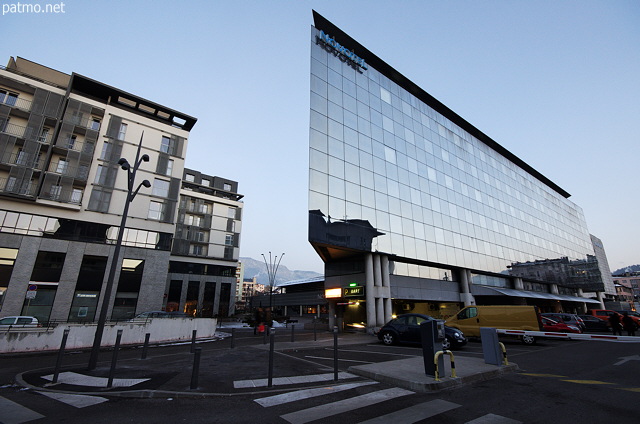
356 61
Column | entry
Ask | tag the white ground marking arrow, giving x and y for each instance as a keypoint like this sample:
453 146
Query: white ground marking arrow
627 358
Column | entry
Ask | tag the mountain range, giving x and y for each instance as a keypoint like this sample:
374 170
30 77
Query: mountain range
621 271
256 268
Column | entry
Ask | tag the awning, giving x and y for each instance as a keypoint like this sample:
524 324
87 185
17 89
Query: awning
497 291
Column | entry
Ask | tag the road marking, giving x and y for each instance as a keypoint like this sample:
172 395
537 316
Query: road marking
493 419
627 358
629 389
415 413
314 378
588 382
308 393
77 401
342 406
91 381
344 360
378 353
544 375
14 413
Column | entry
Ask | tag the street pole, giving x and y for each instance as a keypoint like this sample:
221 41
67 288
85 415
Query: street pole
272 270
115 260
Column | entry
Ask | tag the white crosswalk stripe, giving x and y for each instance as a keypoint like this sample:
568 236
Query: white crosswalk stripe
342 406
308 393
14 413
77 401
493 419
415 413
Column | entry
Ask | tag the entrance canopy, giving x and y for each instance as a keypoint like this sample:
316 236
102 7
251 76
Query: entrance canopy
498 291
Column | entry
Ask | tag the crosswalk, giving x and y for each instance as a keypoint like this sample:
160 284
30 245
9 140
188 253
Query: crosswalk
15 413
357 402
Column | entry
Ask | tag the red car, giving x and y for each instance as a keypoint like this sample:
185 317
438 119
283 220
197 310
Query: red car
558 327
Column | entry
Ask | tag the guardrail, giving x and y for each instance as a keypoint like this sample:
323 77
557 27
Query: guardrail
569 336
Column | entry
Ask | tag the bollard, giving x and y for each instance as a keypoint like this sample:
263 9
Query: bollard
145 347
453 364
504 354
63 343
264 335
196 368
193 340
272 337
293 326
114 359
315 336
335 353
233 340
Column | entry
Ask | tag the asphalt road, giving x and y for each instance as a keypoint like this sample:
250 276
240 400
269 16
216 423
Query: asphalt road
558 382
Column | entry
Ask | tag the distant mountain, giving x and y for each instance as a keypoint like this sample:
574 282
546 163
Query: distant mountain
632 268
256 268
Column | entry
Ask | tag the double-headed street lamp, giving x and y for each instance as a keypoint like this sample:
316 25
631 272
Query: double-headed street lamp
115 260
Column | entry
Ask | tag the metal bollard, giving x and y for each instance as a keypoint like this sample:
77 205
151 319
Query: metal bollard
272 338
63 344
315 335
196 368
145 347
293 326
193 340
114 359
335 353
505 361
233 340
264 335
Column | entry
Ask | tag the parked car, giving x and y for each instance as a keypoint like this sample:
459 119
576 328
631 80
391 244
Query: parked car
569 319
406 329
633 314
594 323
558 327
19 321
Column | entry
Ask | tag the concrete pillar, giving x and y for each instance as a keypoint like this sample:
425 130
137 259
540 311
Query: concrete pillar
388 310
518 284
384 268
332 314
317 311
377 271
554 289
601 299
369 292
379 312
465 289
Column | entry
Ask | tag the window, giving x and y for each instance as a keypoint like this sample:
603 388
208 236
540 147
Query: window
44 135
193 220
231 213
189 177
227 187
160 188
165 144
21 157
106 150
101 174
156 210
11 184
76 196
62 166
206 182
228 240
198 250
95 124
71 141
169 167
55 192
4 122
8 98
122 131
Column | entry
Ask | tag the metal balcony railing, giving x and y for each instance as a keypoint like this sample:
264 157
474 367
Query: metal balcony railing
18 103
25 133
63 168
12 185
23 159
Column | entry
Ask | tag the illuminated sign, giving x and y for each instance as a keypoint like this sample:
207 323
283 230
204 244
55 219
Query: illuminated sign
357 291
333 293
342 52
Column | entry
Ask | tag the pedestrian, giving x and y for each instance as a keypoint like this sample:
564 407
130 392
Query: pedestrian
614 321
629 325
261 328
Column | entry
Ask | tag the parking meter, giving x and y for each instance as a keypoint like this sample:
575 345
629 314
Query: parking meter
432 335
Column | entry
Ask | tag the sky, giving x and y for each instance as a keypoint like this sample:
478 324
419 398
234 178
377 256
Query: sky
556 83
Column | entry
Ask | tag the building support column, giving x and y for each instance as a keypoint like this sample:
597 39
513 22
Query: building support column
386 284
466 297
518 284
370 293
332 314
601 299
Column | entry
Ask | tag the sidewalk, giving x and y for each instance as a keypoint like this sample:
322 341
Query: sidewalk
243 370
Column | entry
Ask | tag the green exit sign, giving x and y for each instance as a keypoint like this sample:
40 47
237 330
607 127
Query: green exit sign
353 284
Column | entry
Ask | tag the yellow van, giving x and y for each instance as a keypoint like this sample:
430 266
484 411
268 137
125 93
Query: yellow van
508 317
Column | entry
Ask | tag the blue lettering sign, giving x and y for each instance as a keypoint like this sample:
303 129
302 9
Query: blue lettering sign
341 51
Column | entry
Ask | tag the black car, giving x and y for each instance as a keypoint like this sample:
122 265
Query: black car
406 329
594 323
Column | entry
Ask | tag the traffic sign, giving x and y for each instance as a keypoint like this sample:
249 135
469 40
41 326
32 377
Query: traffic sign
31 294
33 287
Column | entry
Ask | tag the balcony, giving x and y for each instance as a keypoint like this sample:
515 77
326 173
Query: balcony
25 133
13 186
18 103
62 167
23 159
56 193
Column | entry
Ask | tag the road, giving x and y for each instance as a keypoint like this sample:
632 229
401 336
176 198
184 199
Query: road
559 381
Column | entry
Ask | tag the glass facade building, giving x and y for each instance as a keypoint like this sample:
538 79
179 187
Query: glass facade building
394 171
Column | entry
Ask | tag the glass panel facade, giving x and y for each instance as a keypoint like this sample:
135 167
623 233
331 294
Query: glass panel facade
390 173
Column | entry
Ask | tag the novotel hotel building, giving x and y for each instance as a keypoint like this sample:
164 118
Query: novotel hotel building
412 208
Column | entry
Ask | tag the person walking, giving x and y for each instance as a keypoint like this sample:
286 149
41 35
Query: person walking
629 325
614 321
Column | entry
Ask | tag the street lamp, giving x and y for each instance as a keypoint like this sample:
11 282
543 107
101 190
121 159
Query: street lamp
131 194
272 270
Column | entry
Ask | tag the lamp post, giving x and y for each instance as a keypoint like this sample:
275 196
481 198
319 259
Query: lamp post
115 260
272 270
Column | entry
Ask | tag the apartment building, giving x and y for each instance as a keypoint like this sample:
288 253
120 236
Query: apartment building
62 194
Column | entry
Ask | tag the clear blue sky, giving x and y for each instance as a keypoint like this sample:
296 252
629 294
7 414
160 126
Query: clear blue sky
557 83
